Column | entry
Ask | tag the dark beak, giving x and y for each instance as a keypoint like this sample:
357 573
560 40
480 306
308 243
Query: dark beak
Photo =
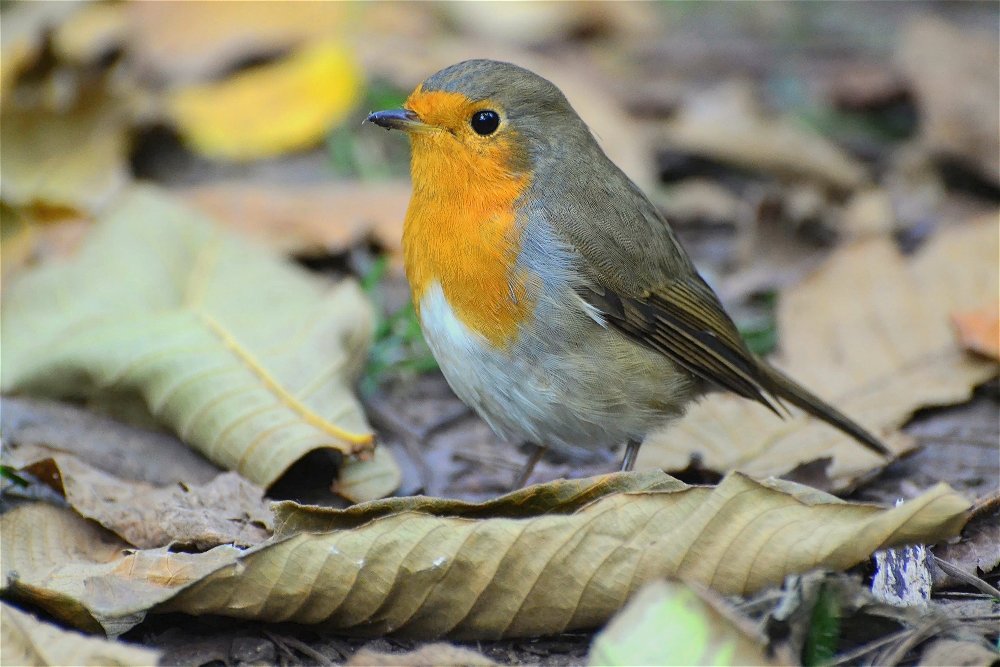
398 119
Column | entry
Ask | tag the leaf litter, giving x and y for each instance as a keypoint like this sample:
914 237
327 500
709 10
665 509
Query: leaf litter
872 329
246 358
426 573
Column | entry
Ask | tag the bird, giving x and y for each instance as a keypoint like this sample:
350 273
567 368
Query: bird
556 299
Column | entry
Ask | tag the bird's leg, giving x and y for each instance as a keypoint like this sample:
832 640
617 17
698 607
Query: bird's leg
529 465
631 451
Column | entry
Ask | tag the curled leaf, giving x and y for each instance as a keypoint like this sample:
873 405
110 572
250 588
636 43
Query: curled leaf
245 357
434 568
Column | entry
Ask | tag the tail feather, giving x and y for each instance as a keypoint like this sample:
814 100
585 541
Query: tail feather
784 387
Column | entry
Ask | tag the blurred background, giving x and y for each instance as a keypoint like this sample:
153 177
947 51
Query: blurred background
766 132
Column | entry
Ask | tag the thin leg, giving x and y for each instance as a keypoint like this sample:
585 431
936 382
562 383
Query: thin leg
529 466
631 451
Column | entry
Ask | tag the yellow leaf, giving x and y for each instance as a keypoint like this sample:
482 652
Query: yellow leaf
244 356
547 559
271 109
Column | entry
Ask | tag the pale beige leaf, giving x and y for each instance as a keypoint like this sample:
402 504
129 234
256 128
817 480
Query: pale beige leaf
308 219
443 569
244 356
727 124
226 510
953 72
871 333
25 640
673 623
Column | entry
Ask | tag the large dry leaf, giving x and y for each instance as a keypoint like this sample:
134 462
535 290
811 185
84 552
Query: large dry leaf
728 125
309 219
870 332
428 572
226 510
25 640
672 623
197 40
954 73
119 449
271 109
245 357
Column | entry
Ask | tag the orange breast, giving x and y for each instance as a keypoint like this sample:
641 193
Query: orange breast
461 231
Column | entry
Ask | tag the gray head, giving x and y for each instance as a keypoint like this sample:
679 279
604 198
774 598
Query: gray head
483 105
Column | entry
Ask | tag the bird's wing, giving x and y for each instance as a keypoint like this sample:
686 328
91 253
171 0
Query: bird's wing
637 274
634 272
686 323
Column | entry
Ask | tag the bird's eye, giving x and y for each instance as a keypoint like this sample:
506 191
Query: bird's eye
485 122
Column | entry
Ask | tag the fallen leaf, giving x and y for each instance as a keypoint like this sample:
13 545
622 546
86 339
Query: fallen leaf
245 357
429 655
28 641
870 332
308 219
159 459
271 109
979 331
186 42
424 573
63 164
727 124
954 73
226 510
672 623
977 553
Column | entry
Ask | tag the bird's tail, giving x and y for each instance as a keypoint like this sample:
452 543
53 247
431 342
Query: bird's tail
784 387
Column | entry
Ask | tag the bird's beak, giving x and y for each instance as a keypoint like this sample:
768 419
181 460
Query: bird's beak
399 119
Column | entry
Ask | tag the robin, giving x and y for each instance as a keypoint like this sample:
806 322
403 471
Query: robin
557 300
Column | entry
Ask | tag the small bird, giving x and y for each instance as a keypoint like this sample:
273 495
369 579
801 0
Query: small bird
556 299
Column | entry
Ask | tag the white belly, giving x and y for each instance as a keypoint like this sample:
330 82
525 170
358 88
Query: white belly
576 393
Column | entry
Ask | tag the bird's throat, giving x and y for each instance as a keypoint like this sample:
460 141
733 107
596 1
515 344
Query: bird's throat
462 232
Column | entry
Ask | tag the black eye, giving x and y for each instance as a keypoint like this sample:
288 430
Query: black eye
485 122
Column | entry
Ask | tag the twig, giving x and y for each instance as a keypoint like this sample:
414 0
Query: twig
301 647
850 656
966 578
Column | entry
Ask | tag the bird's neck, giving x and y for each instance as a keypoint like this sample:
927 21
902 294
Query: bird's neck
462 233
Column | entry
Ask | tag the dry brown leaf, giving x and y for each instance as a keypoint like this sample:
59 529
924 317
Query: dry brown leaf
673 623
308 219
226 510
727 124
244 356
157 458
426 572
26 640
979 331
954 72
429 655
870 331
271 109
196 40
